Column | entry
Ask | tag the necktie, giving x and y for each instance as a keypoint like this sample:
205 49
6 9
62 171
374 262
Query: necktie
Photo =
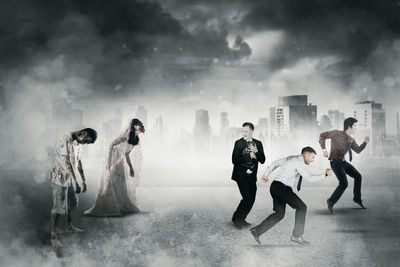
348 147
299 183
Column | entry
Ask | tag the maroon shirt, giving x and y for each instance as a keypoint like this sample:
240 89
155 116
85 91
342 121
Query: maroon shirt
338 143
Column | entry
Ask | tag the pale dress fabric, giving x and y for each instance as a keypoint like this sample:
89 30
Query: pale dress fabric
116 193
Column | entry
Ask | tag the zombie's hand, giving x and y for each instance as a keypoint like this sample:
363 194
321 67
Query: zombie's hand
131 172
84 187
77 188
326 153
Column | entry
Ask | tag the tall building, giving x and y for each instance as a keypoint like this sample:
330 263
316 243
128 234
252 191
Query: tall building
224 124
141 114
325 124
371 122
261 129
159 126
336 117
112 128
293 116
202 131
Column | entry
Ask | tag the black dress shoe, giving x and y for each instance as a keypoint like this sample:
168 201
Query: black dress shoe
300 240
253 232
330 207
237 224
245 224
359 202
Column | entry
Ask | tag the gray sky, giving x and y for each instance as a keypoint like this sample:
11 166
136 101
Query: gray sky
177 56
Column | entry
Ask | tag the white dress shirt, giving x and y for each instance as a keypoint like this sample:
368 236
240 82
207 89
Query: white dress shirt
291 169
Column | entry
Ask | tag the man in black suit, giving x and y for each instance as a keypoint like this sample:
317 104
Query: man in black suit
245 157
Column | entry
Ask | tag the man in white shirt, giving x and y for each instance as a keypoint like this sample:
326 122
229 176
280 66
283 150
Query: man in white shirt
292 168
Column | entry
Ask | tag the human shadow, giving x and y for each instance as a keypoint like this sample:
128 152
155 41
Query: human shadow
274 246
124 215
353 231
337 211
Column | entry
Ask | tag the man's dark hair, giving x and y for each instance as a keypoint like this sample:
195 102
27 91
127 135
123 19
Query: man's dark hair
90 133
308 149
348 123
251 126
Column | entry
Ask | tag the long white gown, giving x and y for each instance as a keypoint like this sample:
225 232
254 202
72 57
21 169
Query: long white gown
116 192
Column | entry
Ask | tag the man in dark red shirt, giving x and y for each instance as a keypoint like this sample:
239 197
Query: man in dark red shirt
341 143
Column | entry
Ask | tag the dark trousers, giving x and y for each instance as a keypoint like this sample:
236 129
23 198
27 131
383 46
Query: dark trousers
341 168
282 195
248 189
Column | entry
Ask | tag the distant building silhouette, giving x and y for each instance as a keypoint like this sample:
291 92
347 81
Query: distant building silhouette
371 122
293 116
261 129
224 124
202 131
112 128
336 117
159 129
325 123
141 114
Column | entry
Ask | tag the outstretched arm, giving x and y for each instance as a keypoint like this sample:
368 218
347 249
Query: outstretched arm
301 168
356 148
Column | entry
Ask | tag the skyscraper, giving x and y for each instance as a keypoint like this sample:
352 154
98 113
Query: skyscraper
202 131
371 122
261 129
336 118
293 116
224 123
325 124
159 126
141 114
112 128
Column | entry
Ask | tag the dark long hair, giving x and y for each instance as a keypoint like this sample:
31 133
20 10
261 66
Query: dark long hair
134 139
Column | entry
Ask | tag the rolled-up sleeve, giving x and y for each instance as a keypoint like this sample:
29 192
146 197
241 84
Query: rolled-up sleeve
301 168
275 164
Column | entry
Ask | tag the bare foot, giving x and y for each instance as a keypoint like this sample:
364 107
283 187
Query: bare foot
55 242
73 229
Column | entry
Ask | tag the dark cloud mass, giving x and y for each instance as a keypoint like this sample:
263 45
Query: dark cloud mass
118 39
349 29
67 64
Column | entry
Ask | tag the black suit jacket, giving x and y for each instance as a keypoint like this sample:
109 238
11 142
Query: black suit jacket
239 171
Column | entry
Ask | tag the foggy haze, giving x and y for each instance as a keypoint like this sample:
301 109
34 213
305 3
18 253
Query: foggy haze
175 57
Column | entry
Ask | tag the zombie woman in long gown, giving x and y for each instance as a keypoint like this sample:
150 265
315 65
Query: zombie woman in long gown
116 192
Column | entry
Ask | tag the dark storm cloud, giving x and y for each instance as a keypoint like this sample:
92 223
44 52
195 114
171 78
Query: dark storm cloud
349 29
128 35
